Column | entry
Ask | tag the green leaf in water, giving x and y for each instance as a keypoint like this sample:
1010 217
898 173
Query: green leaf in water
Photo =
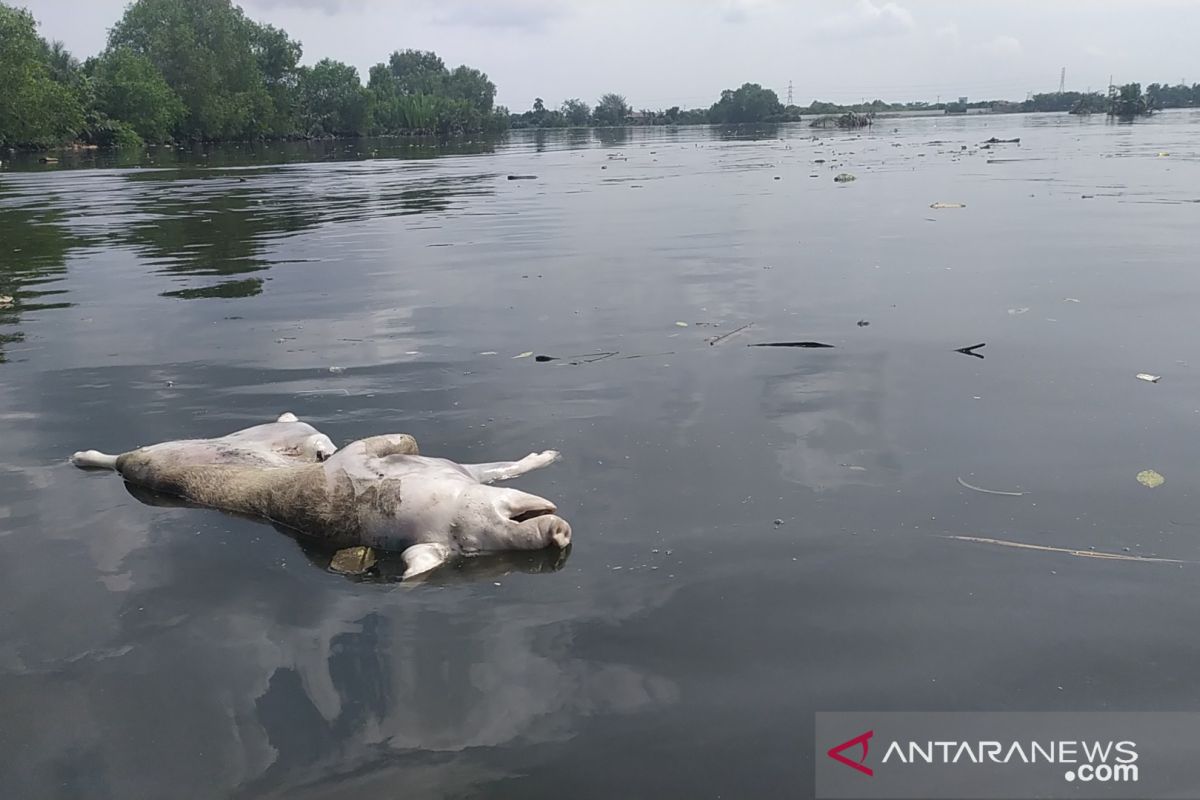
1150 478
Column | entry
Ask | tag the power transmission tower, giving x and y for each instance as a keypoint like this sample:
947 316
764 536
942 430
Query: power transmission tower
1062 80
789 93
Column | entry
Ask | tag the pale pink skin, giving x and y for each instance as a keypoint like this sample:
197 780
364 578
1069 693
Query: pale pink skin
448 508
442 508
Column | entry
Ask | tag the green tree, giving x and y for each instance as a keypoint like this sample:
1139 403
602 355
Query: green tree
205 49
62 67
278 59
576 112
129 88
331 99
498 120
1088 103
471 86
418 72
611 110
415 93
384 100
1128 102
417 113
34 108
749 103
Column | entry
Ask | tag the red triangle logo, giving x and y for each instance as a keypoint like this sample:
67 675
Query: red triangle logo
835 752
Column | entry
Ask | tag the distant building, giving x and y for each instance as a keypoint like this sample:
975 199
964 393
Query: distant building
957 108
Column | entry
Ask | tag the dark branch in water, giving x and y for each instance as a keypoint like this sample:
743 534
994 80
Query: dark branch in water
586 358
790 344
724 336
970 351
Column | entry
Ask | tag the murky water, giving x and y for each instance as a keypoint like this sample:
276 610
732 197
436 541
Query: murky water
681 648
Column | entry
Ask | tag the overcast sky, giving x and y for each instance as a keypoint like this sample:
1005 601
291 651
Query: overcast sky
660 53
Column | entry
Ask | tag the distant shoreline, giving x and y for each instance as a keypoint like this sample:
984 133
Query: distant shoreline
30 156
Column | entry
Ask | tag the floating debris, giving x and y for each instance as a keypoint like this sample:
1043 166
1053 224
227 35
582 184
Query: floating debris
947 205
1016 312
6 300
1146 376
843 177
862 323
718 339
994 140
1150 479
681 324
526 354
980 489
522 177
353 560
790 344
1066 550
647 355
585 358
970 351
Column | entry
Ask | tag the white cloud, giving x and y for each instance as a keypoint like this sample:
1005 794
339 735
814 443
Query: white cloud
330 7
1003 46
529 15
738 11
948 35
868 18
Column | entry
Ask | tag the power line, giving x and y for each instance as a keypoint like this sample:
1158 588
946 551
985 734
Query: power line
789 102
1062 80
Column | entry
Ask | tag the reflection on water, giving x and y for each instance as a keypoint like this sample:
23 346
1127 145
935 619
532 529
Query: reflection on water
759 532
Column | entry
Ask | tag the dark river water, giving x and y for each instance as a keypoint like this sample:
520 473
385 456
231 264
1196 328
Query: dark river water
760 533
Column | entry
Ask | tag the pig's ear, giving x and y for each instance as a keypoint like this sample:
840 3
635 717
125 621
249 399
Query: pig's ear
520 506
421 558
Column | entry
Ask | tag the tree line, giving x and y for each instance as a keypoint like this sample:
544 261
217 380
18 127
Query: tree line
188 70
200 70
751 103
